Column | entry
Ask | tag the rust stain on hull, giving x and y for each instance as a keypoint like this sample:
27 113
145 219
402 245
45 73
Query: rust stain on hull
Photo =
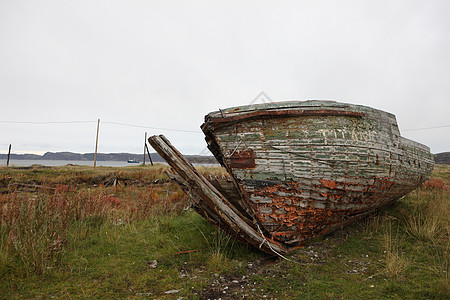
328 183
244 159
302 169
289 212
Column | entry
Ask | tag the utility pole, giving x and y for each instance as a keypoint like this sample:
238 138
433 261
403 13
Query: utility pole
9 153
96 144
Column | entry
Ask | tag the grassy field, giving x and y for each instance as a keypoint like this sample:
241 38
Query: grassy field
75 232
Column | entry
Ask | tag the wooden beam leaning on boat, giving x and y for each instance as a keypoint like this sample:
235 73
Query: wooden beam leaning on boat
209 201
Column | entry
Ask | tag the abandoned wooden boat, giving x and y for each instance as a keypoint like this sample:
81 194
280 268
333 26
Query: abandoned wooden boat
298 169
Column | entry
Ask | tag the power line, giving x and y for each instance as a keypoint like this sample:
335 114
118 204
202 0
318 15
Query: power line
426 128
104 122
158 128
46 122
148 127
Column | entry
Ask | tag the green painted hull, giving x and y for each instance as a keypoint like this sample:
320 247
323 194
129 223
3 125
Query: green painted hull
306 168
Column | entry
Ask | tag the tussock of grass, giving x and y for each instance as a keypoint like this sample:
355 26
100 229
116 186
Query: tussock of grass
429 219
217 261
395 262
219 250
33 231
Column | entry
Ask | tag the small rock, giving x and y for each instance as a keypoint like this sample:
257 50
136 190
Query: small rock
152 264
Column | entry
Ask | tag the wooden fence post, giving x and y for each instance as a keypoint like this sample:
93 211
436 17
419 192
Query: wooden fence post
96 144
9 154
145 144
149 156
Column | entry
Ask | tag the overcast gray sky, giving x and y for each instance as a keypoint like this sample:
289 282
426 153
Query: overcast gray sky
165 64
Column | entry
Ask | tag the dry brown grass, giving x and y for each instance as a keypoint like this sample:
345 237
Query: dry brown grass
34 219
395 263
429 221
33 229
435 184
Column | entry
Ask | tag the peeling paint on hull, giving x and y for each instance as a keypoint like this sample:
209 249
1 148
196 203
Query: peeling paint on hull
306 168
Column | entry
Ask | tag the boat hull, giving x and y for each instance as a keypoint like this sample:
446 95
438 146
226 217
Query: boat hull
306 168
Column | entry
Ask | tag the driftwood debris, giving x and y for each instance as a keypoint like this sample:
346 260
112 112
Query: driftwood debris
112 181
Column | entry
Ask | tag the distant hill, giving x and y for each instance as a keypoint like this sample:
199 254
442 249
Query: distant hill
442 158
71 156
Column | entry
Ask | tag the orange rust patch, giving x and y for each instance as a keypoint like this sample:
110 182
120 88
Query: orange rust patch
244 159
292 214
328 183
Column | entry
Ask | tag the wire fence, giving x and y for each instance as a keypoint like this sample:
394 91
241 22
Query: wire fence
103 122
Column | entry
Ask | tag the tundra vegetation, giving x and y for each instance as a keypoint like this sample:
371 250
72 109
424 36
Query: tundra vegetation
76 232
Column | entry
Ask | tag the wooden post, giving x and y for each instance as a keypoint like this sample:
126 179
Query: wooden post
149 156
145 144
9 154
96 144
